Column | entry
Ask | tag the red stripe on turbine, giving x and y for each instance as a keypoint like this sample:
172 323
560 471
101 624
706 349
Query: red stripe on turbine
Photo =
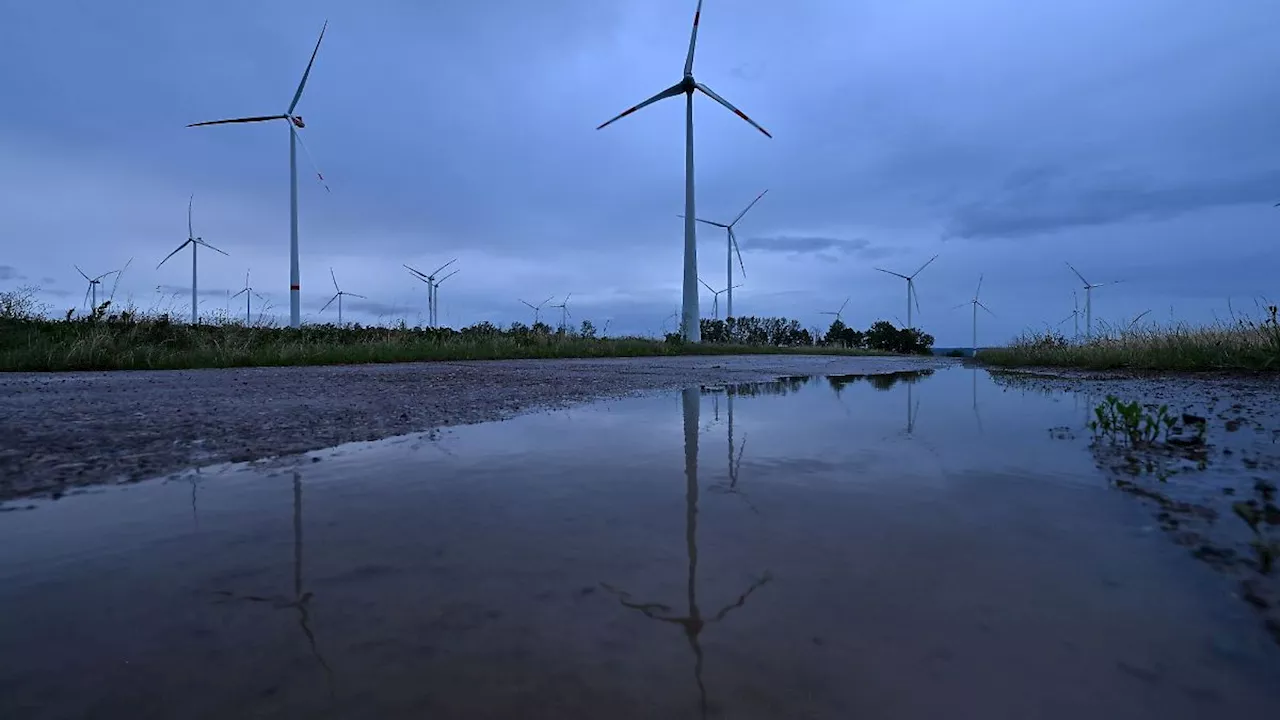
294 287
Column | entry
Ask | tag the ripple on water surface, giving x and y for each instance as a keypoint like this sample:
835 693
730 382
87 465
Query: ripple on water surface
888 546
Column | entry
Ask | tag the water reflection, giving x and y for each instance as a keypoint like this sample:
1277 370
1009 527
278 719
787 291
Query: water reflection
301 601
694 622
976 416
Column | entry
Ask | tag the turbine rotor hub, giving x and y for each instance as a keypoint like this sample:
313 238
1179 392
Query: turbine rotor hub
687 84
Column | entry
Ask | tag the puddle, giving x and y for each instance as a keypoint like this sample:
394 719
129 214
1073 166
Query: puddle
906 546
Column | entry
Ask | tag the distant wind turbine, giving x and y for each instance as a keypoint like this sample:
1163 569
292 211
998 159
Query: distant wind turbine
537 309
194 242
911 286
564 310
248 299
715 301
295 123
432 284
976 304
338 296
1075 313
687 85
94 282
837 313
1088 300
732 248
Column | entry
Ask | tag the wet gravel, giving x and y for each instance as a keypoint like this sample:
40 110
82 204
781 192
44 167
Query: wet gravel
67 430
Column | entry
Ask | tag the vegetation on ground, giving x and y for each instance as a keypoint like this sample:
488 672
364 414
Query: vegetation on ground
1237 344
127 339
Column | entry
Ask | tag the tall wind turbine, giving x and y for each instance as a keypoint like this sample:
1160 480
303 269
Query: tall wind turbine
295 123
537 309
837 313
430 280
1088 300
732 248
715 301
976 303
194 242
248 299
564 310
94 282
911 286
338 296
687 85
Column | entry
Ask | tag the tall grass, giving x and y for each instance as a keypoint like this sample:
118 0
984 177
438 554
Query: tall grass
130 340
1238 344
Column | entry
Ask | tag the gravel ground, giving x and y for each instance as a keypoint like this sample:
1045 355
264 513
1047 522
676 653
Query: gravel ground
74 429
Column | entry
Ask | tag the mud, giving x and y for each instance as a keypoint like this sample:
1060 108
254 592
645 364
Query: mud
68 430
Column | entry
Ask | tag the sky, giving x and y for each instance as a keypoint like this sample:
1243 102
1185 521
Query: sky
1136 140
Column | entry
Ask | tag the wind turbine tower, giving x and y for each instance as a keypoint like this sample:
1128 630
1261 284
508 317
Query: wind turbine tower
690 316
1088 300
911 286
294 123
195 243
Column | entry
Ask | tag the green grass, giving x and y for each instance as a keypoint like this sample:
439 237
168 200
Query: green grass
1246 344
157 342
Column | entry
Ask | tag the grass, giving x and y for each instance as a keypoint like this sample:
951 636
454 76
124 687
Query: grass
128 341
1237 345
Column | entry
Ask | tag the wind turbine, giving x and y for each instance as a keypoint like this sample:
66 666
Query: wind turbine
911 286
94 282
537 309
295 123
248 299
715 295
1088 300
564 310
976 303
731 249
837 313
194 242
430 280
338 296
687 85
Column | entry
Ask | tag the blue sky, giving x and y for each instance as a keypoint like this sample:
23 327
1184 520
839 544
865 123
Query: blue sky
1136 140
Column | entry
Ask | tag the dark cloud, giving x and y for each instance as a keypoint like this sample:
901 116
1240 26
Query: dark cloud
1040 200
823 247
9 272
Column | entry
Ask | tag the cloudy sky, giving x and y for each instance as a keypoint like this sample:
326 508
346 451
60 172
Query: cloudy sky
1137 140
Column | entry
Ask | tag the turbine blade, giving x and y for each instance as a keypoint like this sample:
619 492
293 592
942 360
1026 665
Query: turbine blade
175 252
77 267
744 212
693 41
307 73
705 285
843 305
119 273
335 280
672 91
355 296
198 241
326 305
262 118
711 94
443 267
709 222
922 267
1077 272
417 273
233 297
190 233
957 307
87 291
979 290
904 277
544 302
915 296
984 307
734 239
310 159
531 307
446 277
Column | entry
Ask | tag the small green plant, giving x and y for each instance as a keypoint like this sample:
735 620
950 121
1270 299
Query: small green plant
1130 422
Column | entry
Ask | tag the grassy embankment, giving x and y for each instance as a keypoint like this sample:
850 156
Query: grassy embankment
1239 345
159 343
